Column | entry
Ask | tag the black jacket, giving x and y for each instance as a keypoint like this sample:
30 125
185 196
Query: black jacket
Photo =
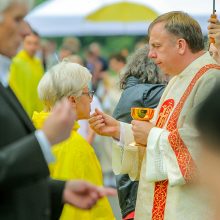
26 192
136 94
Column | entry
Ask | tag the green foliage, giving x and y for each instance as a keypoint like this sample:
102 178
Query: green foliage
111 44
37 2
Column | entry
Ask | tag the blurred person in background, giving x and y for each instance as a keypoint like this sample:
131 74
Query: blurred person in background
109 93
64 51
95 48
117 63
124 52
109 90
73 43
26 190
70 46
141 84
75 157
49 54
96 64
25 73
74 59
207 122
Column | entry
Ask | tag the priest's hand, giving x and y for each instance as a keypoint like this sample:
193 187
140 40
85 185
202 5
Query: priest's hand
104 124
141 130
84 195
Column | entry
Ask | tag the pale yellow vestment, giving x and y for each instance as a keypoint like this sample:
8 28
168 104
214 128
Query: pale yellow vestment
183 200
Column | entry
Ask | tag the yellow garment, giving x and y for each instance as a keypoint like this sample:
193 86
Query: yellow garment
25 74
76 159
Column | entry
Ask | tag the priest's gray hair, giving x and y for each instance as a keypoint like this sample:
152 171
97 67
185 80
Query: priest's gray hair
63 80
5 4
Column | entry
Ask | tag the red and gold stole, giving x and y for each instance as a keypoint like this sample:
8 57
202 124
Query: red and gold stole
184 159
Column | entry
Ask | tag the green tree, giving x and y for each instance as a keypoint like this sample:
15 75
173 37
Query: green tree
37 2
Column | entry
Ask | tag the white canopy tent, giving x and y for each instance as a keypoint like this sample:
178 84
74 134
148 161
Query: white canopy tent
109 17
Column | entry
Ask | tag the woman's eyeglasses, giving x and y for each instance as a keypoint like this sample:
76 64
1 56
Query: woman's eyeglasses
90 94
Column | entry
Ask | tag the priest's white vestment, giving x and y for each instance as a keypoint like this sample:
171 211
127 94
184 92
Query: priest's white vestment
167 166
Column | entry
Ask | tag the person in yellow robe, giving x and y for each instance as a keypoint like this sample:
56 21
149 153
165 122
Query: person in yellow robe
25 73
74 158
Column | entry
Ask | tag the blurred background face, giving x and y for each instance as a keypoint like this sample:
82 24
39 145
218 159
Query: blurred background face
13 29
114 65
64 53
95 49
31 44
82 105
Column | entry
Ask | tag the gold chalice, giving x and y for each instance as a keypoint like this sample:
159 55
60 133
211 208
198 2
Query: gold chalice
141 114
135 152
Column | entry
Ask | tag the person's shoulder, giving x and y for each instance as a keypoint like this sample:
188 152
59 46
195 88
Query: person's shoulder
147 86
19 59
212 72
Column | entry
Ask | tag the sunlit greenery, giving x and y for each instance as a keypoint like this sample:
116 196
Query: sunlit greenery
37 2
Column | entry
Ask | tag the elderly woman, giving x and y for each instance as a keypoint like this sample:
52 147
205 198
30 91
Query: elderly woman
141 85
75 158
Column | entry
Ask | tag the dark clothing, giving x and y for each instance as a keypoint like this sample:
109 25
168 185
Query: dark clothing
26 192
136 94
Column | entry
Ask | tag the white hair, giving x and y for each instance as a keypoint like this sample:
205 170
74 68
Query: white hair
5 4
63 80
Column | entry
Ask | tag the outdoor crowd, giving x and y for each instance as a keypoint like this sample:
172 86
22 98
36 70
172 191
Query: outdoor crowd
66 129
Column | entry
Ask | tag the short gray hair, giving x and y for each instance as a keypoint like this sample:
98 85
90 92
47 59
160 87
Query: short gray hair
63 80
142 68
181 25
5 4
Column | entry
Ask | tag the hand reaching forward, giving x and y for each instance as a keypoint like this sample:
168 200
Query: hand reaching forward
59 124
84 195
104 124
141 130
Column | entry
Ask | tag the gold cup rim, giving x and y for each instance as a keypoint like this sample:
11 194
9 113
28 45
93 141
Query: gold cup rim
149 115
